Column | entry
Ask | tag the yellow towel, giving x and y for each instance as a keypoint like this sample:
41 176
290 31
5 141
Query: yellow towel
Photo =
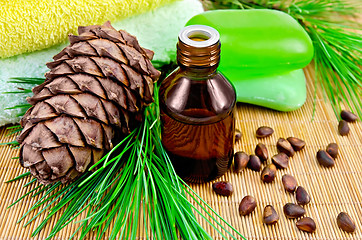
29 25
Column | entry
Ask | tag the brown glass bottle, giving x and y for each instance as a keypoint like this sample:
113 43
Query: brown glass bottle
197 108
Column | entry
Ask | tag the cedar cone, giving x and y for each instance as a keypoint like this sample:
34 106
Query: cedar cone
94 93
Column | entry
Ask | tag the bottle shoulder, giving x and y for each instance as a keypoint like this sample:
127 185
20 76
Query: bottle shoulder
197 98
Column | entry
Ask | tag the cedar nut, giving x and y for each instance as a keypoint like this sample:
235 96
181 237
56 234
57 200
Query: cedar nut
343 128
223 188
306 224
297 144
254 163
268 173
289 183
285 147
348 116
292 210
241 160
262 152
247 205
325 159
302 196
270 216
281 160
332 150
264 131
345 222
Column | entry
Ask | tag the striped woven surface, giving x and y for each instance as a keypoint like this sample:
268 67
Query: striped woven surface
332 190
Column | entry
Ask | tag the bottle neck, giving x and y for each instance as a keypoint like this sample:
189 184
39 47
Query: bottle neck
198 50
199 72
198 58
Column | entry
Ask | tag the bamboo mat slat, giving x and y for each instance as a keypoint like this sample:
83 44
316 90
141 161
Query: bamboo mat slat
332 190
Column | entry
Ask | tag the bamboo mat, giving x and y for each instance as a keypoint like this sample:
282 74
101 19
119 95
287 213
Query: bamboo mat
332 190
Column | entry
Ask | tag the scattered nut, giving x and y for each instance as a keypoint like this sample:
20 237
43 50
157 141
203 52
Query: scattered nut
306 224
302 196
289 183
285 147
343 128
270 216
348 116
264 131
241 160
262 152
332 150
325 159
268 173
292 210
345 222
281 160
247 205
223 188
297 144
238 135
254 163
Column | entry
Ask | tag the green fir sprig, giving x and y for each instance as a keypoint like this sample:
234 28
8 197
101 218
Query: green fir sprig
337 43
132 187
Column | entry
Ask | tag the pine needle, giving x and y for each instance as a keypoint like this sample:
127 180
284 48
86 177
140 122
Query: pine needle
135 182
27 80
19 177
12 143
338 46
19 106
20 91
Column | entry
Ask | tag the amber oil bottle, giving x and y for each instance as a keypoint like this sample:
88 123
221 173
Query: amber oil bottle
197 108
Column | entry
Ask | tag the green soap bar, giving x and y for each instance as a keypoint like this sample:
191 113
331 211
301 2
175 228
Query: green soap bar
262 53
282 92
259 39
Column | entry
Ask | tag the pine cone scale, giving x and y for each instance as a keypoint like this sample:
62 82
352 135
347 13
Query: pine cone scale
60 70
39 112
92 132
81 49
83 156
66 131
82 64
106 48
63 85
41 137
111 69
92 106
114 92
59 160
87 83
31 156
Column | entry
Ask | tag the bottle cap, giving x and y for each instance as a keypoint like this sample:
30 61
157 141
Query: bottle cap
199 36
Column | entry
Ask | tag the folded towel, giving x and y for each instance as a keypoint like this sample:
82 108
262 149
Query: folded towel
156 30
27 26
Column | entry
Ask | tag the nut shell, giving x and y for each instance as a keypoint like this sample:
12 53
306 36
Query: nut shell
268 173
264 131
297 143
289 183
302 196
306 224
345 222
270 216
223 188
247 205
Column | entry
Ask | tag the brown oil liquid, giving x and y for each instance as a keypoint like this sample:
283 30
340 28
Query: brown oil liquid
200 151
